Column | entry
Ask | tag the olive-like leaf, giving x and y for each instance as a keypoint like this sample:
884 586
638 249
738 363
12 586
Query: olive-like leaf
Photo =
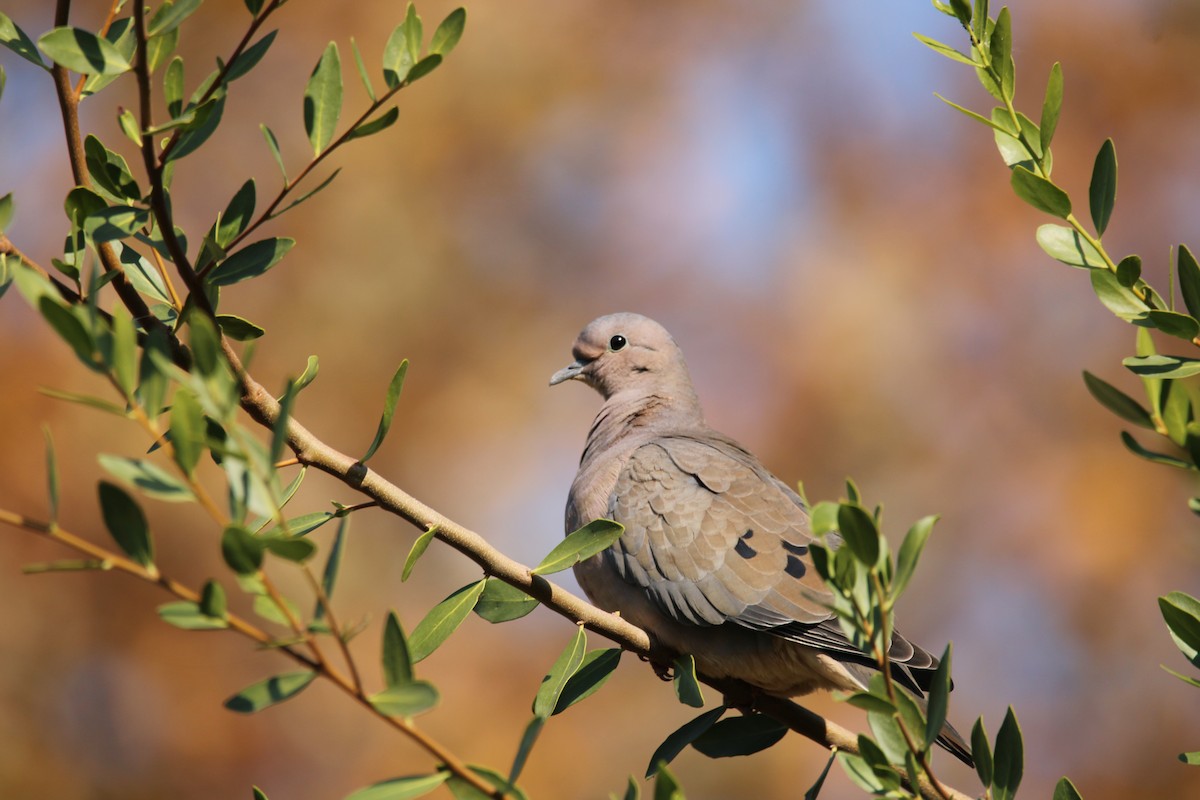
1117 401
597 667
150 478
1181 612
126 523
267 693
910 552
1065 790
446 37
190 617
740 736
1102 191
1009 759
401 788
406 699
687 687
981 751
1040 193
1051 105
83 52
858 529
566 665
397 666
502 602
442 620
939 699
418 549
595 537
683 736
389 409
251 261
323 99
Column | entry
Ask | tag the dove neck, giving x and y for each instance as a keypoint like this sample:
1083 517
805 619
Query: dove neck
628 413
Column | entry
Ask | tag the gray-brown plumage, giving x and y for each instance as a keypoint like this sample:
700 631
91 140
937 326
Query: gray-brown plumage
714 559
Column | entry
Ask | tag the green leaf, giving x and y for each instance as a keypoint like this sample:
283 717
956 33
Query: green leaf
83 52
170 16
269 692
259 794
282 612
961 9
666 786
446 37
129 126
126 523
52 482
323 99
190 617
237 215
279 430
389 408
1009 761
595 537
332 564
124 351
187 430
687 687
740 736
248 59
1001 52
632 791
142 274
309 374
418 550
1121 301
6 211
869 702
173 87
1051 106
69 329
242 550
423 67
212 601
968 112
158 50
407 699
1040 193
1117 401
15 39
1163 366
397 59
1175 324
860 533
362 70
939 699
981 750
1189 279
115 222
859 771
501 602
442 620
308 194
109 170
290 548
251 261
1181 612
1065 790
1129 270
382 122
1102 192
815 790
397 666
1019 143
943 49
1158 458
253 6
683 736
401 788
597 667
910 553
1192 759
150 478
273 146
238 329
564 667
196 132
528 738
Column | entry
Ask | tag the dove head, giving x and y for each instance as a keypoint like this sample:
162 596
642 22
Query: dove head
630 355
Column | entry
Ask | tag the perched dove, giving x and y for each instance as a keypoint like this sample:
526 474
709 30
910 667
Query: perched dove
714 558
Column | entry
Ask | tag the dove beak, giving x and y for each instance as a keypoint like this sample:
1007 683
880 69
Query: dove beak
574 370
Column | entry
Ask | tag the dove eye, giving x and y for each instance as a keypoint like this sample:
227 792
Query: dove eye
617 342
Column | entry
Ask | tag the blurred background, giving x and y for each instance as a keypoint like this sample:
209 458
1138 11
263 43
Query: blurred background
839 255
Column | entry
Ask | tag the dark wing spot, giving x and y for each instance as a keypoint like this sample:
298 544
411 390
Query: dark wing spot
743 548
798 549
795 567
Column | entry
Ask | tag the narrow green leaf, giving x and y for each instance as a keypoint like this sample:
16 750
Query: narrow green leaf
173 87
1051 105
1009 763
309 374
1040 193
910 553
273 146
1163 366
564 667
414 32
52 482
170 15
442 620
109 170
239 329
1129 270
251 261
1181 612
237 215
401 788
202 126
150 478
1158 458
362 70
632 791
279 431
212 600
389 408
6 211
397 666
860 533
248 59
1189 279
269 692
281 612
332 564
446 37
815 790
687 687
242 551
1117 401
1001 51
69 329
1192 759
190 617
290 548
187 430
115 222
939 699
129 126
253 6
869 702
1172 323
981 750
968 112
666 785
528 738
418 550
683 736
382 122
740 736
1065 790
15 39
83 52
962 10
597 667
407 699
307 194
501 602
1102 192
397 60
258 794
323 99
597 536
943 49
423 67
1121 301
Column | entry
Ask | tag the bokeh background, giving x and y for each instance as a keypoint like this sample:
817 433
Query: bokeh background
840 257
